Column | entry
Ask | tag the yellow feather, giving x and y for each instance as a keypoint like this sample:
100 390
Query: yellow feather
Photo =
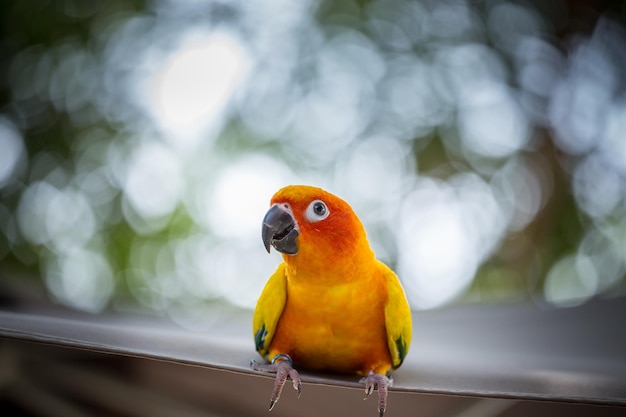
397 318
269 309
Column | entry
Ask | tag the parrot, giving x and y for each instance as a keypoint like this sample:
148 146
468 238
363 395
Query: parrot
331 305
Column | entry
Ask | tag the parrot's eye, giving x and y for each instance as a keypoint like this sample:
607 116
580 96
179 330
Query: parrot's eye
317 211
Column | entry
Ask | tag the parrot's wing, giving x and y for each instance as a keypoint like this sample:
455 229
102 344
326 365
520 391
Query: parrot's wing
397 318
268 309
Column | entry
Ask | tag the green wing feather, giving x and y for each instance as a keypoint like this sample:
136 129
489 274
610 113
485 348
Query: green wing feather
268 309
397 318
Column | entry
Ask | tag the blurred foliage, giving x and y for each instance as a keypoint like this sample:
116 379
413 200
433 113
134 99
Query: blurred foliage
515 109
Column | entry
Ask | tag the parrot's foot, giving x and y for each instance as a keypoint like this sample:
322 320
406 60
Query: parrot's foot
381 382
281 366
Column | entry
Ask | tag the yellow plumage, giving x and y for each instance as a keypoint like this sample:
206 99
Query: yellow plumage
331 305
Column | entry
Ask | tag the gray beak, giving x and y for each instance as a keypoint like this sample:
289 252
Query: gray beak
279 231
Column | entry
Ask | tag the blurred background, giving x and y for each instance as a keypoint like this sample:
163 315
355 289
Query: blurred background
483 144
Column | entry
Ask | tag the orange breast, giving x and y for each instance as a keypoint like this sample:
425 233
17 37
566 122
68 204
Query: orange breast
338 328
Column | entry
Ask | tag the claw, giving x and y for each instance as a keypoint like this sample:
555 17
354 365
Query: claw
283 370
382 383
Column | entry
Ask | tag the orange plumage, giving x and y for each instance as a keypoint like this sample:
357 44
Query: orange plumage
331 305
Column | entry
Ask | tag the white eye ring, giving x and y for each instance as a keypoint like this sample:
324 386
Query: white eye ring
316 211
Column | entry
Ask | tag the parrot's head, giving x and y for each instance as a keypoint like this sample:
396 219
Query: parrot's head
305 221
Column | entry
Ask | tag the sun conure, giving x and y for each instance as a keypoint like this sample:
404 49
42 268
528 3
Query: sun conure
331 305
